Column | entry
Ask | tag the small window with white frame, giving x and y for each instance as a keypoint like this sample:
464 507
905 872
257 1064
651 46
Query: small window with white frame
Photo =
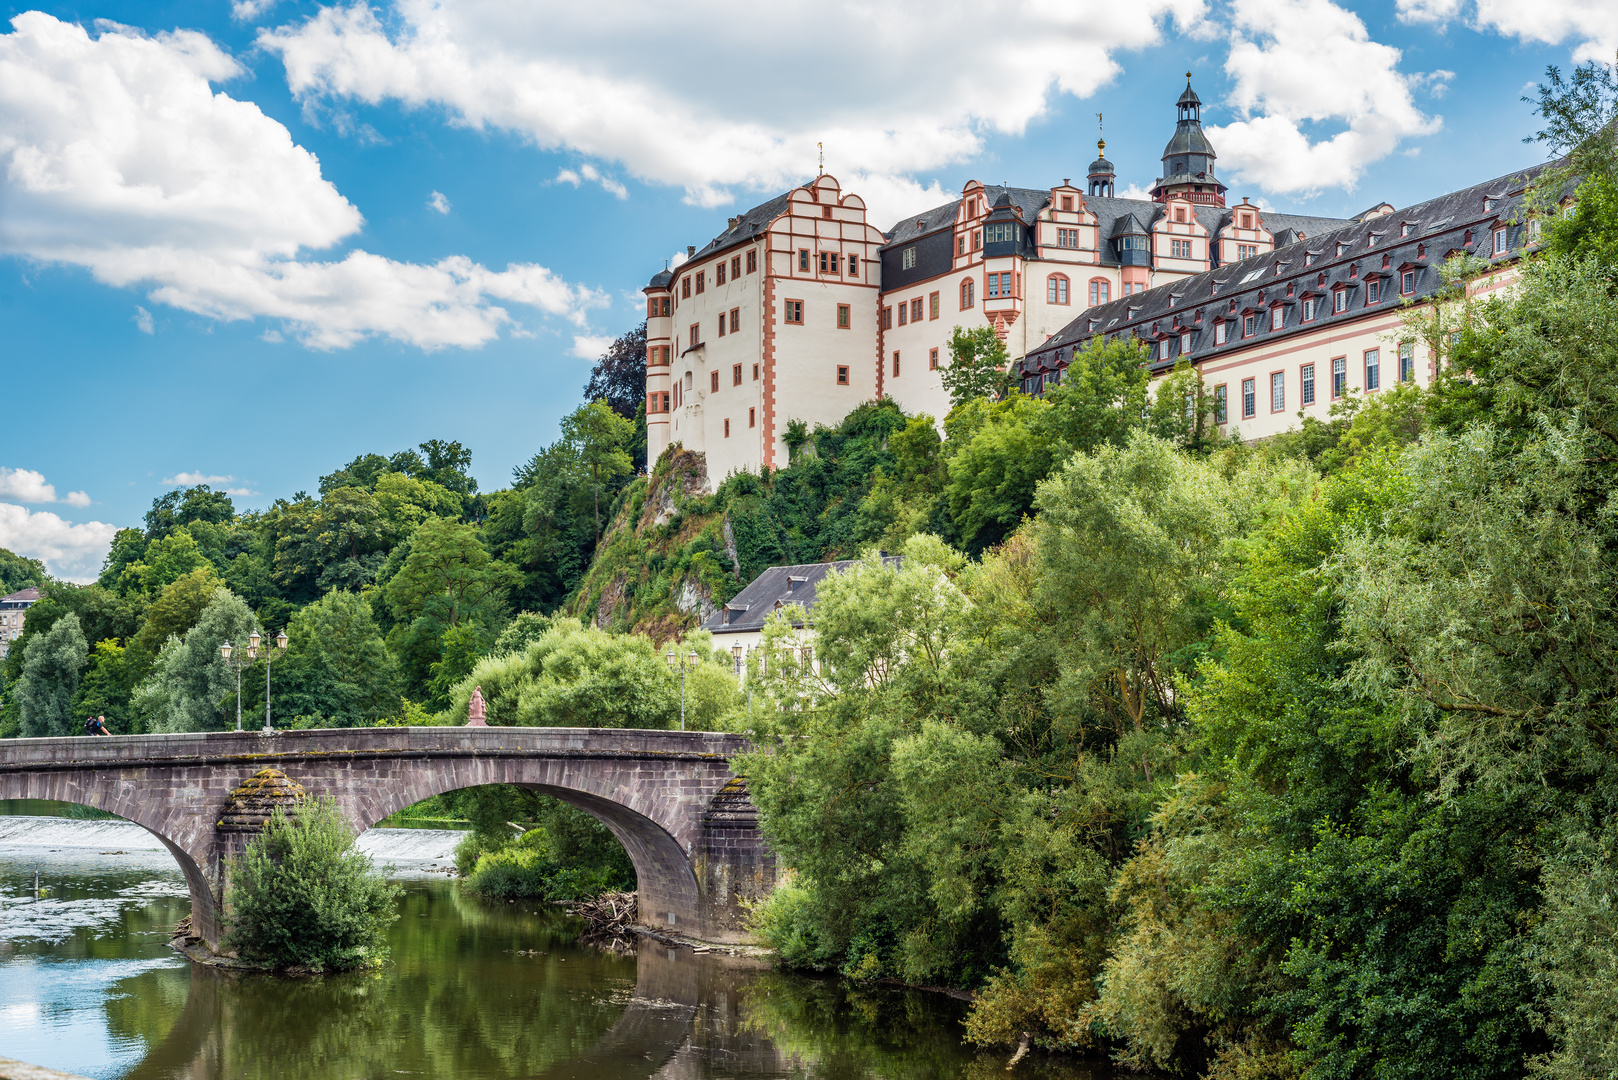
1306 384
1249 398
1407 361
1373 369
1278 317
1499 241
1278 391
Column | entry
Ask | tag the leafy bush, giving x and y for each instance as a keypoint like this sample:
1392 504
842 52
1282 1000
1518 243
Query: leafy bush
302 896
540 865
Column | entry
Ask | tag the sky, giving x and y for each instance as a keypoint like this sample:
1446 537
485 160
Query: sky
243 242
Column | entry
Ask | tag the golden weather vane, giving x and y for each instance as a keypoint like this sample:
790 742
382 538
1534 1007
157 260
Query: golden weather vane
1101 136
822 148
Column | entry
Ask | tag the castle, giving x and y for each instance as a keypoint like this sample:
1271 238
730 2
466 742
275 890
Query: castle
802 309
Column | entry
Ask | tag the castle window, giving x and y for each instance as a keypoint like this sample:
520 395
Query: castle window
1339 376
1180 249
960 244
1179 214
1341 248
1221 404
1406 229
1067 204
792 312
735 374
1373 369
1068 238
977 239
1278 317
727 435
1306 384
825 211
967 294
735 319
702 280
1278 391
1249 398
1247 221
1499 241
803 259
843 319
664 307
904 312
719 274
713 382
752 417
1340 300
696 335
887 318
1056 289
1309 309
932 360
755 373
999 285
1249 325
907 259
1373 290
1185 344
932 309
1003 233
1421 251
722 321
915 310
752 260
1407 361
842 374
1219 332
1100 291
1163 349
896 363
736 266
853 266
685 287
829 262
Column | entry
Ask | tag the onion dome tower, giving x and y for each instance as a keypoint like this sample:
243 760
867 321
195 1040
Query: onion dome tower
1188 159
1102 174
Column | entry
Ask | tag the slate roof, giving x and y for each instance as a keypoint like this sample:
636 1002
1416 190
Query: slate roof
1437 227
775 588
747 227
25 596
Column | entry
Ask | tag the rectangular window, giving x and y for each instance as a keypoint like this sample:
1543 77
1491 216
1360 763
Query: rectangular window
696 334
702 280
685 287
1407 361
665 307
1278 317
960 244
727 427
1163 349
843 318
1249 325
735 374
853 266
1373 369
896 364
719 274
907 259
1056 289
735 319
1407 282
1221 404
1278 391
1309 309
1249 398
1340 300
1068 238
932 360
887 318
830 263
1339 376
1100 292
968 294
915 310
1246 251
1373 291
904 312
932 306
1499 241
803 259
1180 249
752 261
736 266
713 382
755 373
752 417
792 312
722 322
842 374
1306 384
1219 332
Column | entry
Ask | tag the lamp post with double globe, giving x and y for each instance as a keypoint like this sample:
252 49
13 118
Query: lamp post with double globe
226 650
690 662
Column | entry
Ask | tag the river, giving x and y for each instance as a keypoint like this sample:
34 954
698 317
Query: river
475 990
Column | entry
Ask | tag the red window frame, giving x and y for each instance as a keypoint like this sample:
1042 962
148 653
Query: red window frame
842 375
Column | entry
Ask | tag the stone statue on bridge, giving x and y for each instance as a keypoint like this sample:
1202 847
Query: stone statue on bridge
476 710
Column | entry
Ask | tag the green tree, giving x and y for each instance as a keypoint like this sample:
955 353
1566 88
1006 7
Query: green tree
337 671
977 365
992 476
1102 396
106 689
191 688
448 573
51 669
182 506
600 438
301 895
18 573
175 610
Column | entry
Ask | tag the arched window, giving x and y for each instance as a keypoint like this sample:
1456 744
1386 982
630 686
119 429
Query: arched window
968 294
1100 291
1056 289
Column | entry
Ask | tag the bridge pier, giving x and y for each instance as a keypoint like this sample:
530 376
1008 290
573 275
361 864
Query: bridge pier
669 797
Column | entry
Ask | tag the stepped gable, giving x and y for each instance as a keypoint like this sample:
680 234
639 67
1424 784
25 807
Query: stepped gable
1418 238
249 807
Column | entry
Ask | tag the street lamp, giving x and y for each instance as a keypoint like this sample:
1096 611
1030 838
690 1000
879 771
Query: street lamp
240 662
690 662
269 655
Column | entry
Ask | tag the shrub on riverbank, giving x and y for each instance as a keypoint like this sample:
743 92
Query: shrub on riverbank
303 896
569 856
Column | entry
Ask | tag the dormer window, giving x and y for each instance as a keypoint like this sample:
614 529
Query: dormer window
1407 282
1249 325
1340 300
1220 331
1185 344
1163 349
1341 248
1421 251
1499 241
1278 317
1488 205
1309 309
1373 291
1406 229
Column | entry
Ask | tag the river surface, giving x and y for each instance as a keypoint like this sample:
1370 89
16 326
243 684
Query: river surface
475 990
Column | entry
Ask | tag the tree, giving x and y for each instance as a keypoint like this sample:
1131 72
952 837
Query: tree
977 366
175 610
185 505
449 572
301 895
18 573
191 688
337 672
993 474
50 677
1102 396
600 438
619 377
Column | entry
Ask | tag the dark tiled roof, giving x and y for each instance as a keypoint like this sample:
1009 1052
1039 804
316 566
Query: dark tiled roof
661 279
25 596
775 588
1438 227
748 226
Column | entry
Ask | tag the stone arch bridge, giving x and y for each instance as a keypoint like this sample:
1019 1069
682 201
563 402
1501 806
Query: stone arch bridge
669 797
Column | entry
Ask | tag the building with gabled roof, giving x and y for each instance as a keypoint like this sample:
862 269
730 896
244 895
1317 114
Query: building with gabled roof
738 626
14 616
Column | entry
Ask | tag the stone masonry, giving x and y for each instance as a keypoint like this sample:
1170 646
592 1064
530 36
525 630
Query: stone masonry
668 796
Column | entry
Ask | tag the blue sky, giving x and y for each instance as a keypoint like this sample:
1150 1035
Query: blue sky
249 241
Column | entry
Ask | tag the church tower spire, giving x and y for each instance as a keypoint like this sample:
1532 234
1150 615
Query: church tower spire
1102 173
1188 159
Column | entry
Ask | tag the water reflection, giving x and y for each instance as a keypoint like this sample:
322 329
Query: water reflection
476 990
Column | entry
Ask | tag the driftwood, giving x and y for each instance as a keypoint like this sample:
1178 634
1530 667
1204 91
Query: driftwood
609 916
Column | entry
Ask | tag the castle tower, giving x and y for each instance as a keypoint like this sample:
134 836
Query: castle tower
1188 159
659 339
1102 174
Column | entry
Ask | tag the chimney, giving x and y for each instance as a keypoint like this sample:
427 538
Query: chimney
1066 182
690 250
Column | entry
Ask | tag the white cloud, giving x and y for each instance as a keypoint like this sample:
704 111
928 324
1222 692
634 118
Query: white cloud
143 320
26 485
118 156
248 10
1591 24
192 479
595 176
597 78
588 347
1296 63
70 551
438 202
